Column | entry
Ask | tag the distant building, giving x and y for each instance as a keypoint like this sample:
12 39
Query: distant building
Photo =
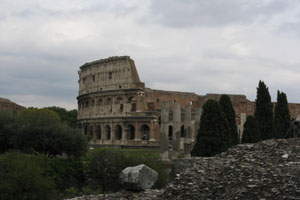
116 108
7 105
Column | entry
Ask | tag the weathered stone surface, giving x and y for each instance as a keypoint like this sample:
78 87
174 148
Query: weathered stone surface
267 170
140 177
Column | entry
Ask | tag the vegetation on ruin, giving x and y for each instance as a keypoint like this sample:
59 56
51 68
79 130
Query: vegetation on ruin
264 111
251 132
214 133
229 113
281 116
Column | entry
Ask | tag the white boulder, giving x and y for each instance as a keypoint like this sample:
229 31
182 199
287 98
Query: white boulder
140 177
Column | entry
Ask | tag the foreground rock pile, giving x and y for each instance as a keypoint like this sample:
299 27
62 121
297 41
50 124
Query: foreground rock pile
267 170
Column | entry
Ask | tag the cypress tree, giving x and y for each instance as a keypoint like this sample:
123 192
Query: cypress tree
251 132
229 112
214 131
264 112
281 116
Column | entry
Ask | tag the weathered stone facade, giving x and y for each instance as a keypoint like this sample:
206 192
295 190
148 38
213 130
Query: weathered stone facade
7 105
116 108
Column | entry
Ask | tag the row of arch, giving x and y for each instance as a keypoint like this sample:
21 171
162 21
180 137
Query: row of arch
103 101
118 132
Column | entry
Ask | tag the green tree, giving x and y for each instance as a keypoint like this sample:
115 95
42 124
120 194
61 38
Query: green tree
281 116
214 133
264 112
7 130
251 132
40 130
229 112
22 177
68 117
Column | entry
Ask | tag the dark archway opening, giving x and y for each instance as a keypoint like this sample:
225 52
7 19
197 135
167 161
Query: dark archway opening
107 132
98 132
170 133
182 135
118 132
145 130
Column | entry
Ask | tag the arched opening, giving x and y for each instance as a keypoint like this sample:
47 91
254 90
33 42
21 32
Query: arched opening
107 132
91 131
145 130
98 132
182 131
99 102
118 132
170 133
131 99
120 102
108 101
85 130
92 102
130 132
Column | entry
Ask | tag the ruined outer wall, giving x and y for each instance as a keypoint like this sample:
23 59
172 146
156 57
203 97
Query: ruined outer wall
153 98
113 73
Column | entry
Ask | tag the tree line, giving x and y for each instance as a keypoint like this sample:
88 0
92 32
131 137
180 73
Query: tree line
218 130
43 156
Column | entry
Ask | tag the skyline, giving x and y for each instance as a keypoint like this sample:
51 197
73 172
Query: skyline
189 46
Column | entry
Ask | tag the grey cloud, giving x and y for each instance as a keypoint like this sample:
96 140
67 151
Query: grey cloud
178 13
290 27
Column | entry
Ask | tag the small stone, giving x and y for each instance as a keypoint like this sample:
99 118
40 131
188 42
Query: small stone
285 155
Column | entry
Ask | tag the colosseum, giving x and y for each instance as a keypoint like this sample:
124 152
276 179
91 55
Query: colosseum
117 110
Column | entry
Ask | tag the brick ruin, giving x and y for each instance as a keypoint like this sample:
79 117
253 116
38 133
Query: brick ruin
117 110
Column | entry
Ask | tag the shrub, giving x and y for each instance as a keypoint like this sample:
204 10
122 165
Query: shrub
105 166
22 177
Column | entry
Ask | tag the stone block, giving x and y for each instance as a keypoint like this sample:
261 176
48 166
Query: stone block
140 177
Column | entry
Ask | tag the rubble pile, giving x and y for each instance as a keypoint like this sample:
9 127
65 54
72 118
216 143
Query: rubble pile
266 170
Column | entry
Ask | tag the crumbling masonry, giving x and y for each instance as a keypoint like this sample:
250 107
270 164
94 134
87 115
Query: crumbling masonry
117 110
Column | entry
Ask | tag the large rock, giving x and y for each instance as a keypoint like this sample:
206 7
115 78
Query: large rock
140 177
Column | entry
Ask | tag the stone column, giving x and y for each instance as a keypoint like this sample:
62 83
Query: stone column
152 136
197 122
164 140
137 132
176 129
187 131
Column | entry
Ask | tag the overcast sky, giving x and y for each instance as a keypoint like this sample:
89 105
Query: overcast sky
201 46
